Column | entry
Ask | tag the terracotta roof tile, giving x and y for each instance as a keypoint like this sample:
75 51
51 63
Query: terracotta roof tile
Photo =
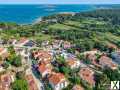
56 78
44 67
23 40
87 75
31 82
104 60
43 55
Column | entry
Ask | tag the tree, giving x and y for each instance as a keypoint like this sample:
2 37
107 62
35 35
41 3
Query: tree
20 84
65 70
11 50
5 65
48 87
20 75
61 60
102 82
75 79
15 60
113 75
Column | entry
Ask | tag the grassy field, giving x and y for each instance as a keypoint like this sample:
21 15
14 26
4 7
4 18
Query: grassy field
41 37
106 37
73 23
60 26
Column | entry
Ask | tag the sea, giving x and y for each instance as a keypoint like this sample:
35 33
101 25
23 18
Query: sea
28 14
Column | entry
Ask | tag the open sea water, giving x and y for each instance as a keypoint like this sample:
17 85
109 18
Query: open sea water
27 14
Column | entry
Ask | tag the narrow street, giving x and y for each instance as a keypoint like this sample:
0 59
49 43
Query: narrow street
37 80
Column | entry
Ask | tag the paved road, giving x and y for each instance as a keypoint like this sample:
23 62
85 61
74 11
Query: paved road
38 81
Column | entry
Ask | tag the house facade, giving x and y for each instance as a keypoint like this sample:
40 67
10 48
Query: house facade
58 81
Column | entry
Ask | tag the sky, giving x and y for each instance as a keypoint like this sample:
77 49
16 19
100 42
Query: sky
59 1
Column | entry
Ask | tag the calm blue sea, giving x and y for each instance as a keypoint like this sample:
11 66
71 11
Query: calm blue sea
26 14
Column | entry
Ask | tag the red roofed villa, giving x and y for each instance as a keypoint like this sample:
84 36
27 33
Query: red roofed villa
58 81
44 69
88 75
42 55
107 62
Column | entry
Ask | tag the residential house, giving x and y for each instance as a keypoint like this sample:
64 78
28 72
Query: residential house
92 52
20 49
5 81
66 45
105 61
22 42
42 55
31 82
73 63
57 44
93 59
3 53
45 69
58 81
67 55
77 87
87 75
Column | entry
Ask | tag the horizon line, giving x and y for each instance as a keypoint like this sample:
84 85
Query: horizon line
59 3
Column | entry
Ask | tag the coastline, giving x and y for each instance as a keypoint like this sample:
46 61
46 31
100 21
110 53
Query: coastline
37 20
26 16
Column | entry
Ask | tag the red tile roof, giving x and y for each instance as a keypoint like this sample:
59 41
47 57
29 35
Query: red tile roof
71 62
23 39
5 81
104 60
56 78
31 82
43 67
87 75
93 58
43 55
